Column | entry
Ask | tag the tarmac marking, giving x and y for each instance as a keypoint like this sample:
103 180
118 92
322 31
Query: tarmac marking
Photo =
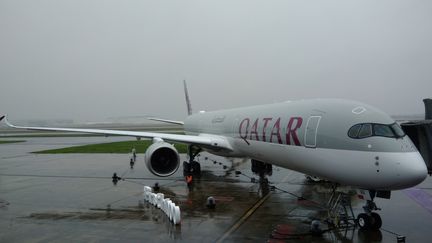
421 197
248 214
243 218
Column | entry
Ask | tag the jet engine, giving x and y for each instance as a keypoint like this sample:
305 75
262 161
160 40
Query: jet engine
162 159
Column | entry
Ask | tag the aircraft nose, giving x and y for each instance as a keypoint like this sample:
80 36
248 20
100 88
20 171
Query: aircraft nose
413 170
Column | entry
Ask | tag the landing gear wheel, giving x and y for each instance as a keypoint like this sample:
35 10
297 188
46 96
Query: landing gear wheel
364 221
186 168
369 236
195 168
376 221
191 168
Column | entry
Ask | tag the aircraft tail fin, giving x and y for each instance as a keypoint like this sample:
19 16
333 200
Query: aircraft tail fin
1 117
188 103
189 109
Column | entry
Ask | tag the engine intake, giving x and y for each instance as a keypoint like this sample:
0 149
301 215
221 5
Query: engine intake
162 159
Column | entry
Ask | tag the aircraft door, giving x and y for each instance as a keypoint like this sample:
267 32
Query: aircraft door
311 131
235 128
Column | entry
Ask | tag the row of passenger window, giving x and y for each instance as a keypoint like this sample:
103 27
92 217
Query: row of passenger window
365 130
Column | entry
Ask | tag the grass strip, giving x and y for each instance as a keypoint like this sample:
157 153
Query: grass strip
115 147
11 141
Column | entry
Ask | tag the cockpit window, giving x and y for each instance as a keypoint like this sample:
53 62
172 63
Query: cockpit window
383 130
365 130
353 132
398 130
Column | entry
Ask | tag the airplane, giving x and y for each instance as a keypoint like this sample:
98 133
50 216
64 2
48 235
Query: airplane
343 141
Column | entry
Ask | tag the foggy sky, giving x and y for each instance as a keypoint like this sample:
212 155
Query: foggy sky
92 59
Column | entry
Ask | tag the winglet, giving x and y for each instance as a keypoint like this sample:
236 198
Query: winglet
7 122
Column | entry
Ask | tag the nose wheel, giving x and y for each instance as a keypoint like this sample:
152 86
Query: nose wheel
369 221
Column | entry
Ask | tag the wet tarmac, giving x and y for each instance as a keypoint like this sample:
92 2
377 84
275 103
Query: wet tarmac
71 198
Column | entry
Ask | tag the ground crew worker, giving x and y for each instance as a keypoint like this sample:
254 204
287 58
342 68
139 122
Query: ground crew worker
134 153
156 187
115 178
189 181
132 162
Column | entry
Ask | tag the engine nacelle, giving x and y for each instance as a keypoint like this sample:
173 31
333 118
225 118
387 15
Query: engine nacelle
162 159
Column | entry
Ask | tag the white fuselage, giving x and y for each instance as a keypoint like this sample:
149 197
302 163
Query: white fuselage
312 137
339 140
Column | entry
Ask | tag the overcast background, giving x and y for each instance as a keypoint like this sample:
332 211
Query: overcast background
89 60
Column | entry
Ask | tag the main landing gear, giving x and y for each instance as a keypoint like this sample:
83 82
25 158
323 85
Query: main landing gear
261 169
370 219
192 168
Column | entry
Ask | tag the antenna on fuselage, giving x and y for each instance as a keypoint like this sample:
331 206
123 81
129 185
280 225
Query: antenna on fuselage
188 103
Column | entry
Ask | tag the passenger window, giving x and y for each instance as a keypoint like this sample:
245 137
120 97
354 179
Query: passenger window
383 130
354 130
365 131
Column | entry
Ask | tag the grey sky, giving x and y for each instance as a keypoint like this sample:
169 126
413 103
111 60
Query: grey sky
93 59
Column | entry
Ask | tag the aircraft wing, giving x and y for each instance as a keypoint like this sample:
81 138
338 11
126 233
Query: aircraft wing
206 140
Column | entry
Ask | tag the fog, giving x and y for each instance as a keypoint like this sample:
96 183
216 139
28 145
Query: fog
90 60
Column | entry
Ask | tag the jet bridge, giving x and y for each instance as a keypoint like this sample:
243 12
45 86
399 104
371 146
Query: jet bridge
420 133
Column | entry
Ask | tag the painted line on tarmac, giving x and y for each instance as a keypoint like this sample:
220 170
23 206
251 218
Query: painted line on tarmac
421 197
248 214
243 218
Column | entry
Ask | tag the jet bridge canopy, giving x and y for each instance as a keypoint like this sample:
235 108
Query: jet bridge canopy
420 133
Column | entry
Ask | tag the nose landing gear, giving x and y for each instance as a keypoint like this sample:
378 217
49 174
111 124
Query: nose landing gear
340 212
370 219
